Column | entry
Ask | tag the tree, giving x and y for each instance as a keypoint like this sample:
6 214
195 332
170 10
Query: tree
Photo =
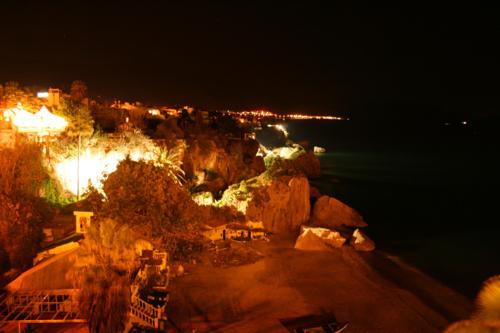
171 160
21 177
78 91
150 201
143 194
20 232
488 300
13 94
103 270
22 171
80 121
487 315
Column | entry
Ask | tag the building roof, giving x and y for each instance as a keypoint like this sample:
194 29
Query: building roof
48 274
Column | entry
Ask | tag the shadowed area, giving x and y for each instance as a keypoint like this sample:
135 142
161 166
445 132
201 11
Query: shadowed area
289 283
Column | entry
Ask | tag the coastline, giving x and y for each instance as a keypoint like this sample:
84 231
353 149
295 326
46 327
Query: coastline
369 290
449 303
423 208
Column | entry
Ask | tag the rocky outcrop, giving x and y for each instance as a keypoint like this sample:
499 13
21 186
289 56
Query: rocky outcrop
211 164
308 241
323 239
361 242
308 164
315 193
329 212
293 161
319 239
281 203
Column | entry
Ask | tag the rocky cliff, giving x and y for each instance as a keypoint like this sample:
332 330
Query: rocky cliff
281 203
212 164
293 161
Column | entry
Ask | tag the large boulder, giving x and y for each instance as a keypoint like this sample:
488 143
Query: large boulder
308 164
361 242
293 161
329 212
281 203
308 241
319 239
213 163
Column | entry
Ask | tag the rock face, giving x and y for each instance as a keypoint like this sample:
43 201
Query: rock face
215 163
281 203
308 241
308 164
315 193
293 161
361 242
329 212
319 239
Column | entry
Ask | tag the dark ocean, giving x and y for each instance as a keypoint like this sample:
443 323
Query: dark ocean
428 190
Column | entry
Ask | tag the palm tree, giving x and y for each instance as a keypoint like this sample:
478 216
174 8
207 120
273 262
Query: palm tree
104 267
487 316
171 160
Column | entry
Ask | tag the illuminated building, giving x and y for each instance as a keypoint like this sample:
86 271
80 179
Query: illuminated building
52 96
38 126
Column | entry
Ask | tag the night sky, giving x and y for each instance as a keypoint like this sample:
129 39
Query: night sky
289 57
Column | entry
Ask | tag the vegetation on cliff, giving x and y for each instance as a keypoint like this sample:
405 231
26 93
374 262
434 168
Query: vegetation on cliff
21 209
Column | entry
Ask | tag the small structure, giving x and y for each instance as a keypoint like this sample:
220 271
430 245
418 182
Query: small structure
44 294
82 220
58 228
54 96
149 294
236 230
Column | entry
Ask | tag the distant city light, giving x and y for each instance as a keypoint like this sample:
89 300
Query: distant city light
464 122
292 116
42 94
154 112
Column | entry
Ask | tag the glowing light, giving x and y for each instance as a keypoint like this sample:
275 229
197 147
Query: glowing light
42 123
154 112
48 120
95 165
42 94
293 116
8 115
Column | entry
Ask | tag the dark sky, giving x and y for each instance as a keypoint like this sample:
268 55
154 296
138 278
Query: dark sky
288 56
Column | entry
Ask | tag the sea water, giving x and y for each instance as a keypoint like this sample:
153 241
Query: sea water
428 191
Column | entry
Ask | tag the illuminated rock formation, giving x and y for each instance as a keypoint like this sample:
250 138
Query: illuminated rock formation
329 212
213 164
281 203
319 239
361 242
